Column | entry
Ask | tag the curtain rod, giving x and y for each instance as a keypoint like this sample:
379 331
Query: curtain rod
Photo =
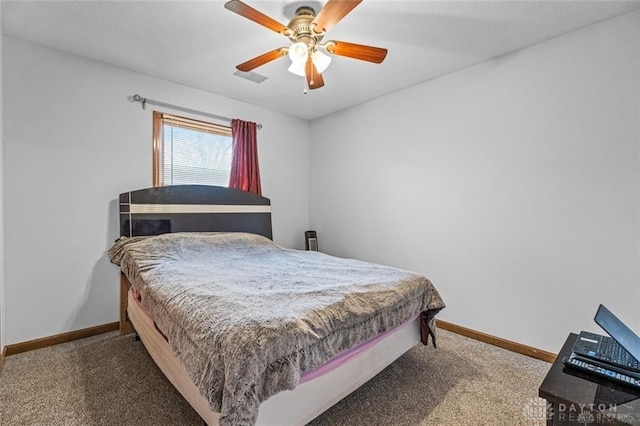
145 101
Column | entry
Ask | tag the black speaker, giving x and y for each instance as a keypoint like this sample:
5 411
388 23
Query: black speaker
311 240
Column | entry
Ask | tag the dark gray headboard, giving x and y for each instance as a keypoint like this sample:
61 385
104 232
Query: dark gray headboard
193 208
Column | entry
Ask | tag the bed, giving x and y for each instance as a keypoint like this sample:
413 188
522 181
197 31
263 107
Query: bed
250 332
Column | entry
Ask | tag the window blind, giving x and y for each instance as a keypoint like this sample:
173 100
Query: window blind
194 152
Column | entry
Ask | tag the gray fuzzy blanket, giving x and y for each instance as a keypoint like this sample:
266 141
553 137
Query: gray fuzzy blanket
246 317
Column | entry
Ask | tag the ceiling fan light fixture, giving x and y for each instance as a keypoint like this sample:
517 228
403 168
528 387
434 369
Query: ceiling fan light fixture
297 68
320 60
298 52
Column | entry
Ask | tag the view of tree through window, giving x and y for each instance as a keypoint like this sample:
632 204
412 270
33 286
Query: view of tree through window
191 152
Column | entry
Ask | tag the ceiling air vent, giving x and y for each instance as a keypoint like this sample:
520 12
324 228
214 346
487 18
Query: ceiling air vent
251 76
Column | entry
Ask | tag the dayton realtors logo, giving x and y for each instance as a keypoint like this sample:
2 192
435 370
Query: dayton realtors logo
537 411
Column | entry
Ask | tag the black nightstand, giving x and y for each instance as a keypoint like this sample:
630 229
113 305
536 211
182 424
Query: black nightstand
577 398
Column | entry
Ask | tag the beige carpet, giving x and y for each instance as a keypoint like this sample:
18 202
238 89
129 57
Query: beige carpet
111 380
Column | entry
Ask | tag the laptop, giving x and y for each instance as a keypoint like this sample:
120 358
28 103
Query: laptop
621 350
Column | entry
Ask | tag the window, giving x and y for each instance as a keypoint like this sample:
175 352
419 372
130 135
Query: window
187 151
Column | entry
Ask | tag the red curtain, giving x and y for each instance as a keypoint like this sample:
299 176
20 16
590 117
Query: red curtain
245 174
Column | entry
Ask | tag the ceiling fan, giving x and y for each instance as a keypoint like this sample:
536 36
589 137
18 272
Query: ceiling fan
306 30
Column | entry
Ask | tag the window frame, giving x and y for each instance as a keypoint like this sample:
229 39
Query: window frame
162 118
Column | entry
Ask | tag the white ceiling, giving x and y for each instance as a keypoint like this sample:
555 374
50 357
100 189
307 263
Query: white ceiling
199 43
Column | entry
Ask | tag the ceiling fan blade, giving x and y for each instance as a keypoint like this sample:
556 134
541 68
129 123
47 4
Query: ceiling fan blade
262 59
314 78
357 51
256 16
333 12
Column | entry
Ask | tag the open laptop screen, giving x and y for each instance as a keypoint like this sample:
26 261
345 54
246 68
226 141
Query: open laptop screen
618 331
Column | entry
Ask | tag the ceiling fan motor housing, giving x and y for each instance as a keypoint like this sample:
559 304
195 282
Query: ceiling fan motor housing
300 26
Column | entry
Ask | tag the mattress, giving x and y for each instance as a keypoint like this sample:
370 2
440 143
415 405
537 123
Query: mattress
248 318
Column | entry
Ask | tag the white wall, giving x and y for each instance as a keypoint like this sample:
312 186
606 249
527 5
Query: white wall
73 142
513 185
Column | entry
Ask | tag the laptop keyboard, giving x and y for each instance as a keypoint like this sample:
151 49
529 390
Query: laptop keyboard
613 352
